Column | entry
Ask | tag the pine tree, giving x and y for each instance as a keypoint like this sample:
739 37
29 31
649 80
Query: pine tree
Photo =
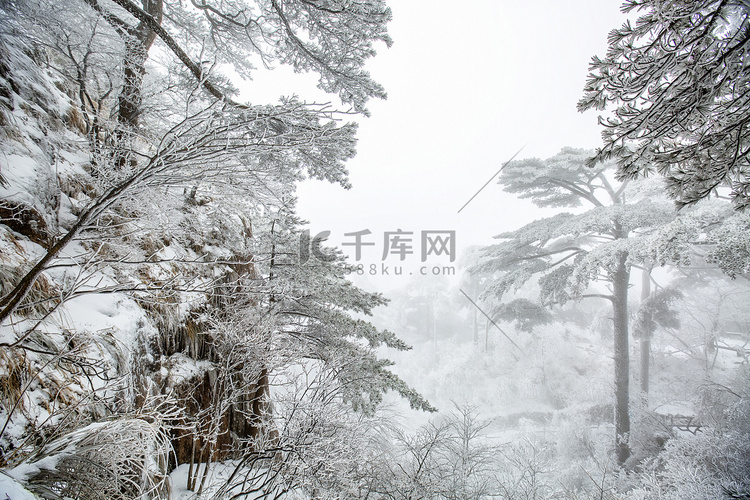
677 83
571 251
182 198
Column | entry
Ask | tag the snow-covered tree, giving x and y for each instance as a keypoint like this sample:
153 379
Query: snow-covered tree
212 139
160 189
677 80
449 458
570 252
525 313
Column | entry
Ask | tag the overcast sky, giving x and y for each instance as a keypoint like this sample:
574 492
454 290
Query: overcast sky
469 84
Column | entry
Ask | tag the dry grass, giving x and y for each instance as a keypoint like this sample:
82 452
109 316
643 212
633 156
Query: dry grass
15 369
74 120
124 458
13 266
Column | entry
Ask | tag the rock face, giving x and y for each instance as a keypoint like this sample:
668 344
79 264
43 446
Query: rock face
37 143
225 434
129 351
24 220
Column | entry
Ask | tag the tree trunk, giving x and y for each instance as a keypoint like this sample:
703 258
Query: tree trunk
620 282
138 41
487 335
645 352
476 329
134 66
645 366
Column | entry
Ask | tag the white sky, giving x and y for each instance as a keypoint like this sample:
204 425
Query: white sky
469 84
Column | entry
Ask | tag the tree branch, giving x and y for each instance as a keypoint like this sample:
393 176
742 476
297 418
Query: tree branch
569 186
575 250
170 42
611 298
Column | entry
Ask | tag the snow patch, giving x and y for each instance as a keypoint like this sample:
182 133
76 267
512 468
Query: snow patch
10 489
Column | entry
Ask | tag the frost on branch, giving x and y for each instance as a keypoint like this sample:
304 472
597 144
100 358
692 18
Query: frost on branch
676 81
